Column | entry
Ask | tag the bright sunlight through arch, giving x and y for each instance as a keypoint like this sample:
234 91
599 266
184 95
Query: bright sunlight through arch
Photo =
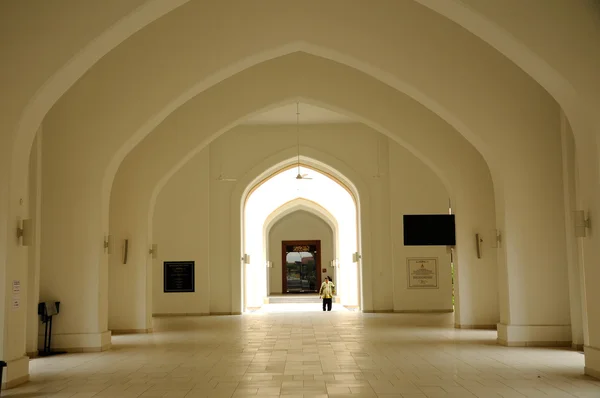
276 192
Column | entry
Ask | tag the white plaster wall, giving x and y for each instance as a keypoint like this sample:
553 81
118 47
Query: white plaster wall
33 275
414 189
181 226
156 159
255 143
578 314
534 206
299 225
160 152
235 152
534 43
470 111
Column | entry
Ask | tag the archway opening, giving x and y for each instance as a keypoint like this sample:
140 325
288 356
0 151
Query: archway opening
325 196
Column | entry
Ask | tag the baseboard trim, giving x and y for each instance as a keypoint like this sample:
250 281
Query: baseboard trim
577 347
180 314
14 383
475 327
116 332
592 361
15 373
534 343
82 350
191 314
406 311
80 342
591 372
225 313
534 335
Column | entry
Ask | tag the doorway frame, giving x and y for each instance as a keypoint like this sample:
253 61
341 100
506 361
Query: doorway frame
285 243
320 162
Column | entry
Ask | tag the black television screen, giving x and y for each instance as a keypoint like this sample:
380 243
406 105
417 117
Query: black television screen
429 230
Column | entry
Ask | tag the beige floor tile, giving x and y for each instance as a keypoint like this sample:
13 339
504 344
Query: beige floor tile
310 354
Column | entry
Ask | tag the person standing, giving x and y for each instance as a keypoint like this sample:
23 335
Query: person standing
327 292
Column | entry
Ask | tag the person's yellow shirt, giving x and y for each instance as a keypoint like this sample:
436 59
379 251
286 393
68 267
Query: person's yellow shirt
327 290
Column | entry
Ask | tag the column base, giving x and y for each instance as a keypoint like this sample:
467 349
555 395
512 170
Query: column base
84 342
592 361
534 336
15 373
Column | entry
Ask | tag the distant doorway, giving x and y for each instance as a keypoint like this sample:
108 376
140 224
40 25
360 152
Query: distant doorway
301 266
270 199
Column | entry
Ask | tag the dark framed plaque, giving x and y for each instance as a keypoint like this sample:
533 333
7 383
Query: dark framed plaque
179 276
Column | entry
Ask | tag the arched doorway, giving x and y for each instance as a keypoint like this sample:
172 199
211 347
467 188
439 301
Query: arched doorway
299 219
269 197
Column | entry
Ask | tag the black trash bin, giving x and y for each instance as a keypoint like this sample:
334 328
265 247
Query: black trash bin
47 311
2 366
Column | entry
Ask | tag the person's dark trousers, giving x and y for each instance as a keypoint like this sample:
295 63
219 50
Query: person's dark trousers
327 303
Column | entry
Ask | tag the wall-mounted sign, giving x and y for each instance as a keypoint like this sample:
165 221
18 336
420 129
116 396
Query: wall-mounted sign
16 295
179 276
16 287
422 273
302 248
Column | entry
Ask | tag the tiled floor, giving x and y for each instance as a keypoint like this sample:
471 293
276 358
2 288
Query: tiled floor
310 354
297 307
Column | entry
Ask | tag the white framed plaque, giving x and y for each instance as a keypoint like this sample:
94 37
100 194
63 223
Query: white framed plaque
16 287
422 272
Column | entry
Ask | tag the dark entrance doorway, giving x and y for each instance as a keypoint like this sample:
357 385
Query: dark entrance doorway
301 262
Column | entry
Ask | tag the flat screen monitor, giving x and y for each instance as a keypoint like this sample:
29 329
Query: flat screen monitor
429 230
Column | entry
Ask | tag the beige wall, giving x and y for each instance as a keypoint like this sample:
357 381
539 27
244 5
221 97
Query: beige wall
404 179
276 81
33 276
467 175
493 103
181 226
299 225
414 189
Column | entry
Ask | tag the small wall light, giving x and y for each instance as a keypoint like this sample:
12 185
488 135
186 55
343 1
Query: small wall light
25 232
478 242
125 250
153 251
582 223
108 244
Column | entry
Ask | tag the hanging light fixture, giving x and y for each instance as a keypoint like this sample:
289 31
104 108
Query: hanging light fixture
299 176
